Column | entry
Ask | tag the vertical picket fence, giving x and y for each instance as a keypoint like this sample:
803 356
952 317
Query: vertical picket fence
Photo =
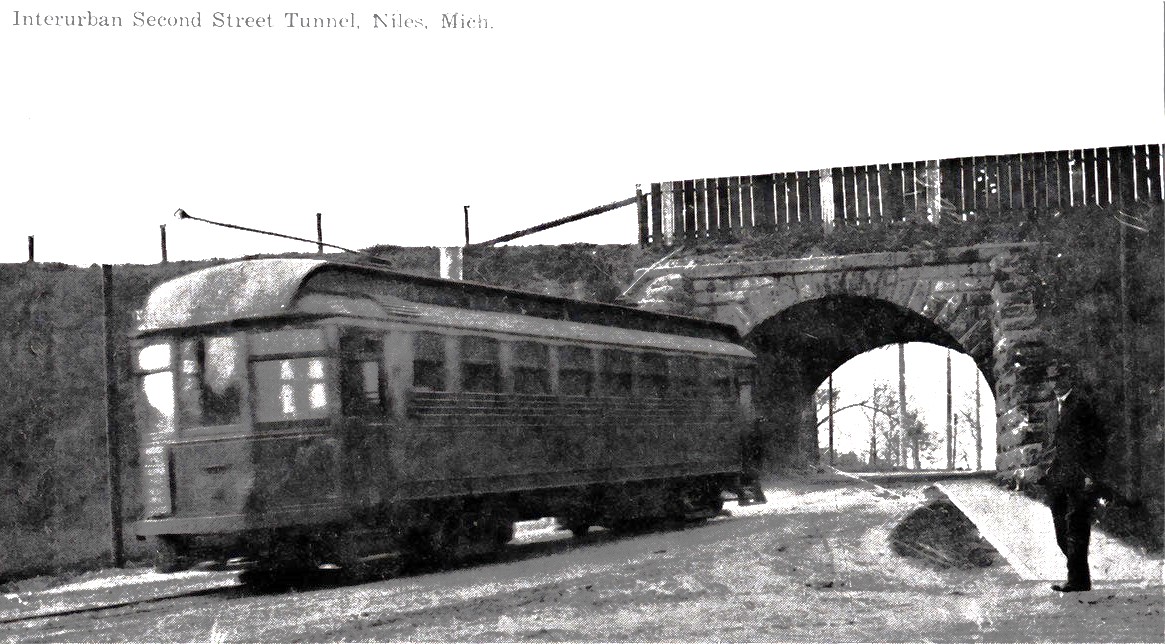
935 191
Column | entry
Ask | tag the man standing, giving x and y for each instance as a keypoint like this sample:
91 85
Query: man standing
1073 454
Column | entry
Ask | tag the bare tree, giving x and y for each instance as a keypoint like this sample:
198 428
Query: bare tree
921 441
968 415
890 441
881 413
821 397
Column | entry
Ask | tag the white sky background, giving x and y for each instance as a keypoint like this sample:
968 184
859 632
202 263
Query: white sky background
926 382
559 107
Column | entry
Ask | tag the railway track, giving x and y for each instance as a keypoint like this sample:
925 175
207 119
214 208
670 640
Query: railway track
62 609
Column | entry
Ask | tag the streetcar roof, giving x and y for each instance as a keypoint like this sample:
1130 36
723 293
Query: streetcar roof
256 289
242 290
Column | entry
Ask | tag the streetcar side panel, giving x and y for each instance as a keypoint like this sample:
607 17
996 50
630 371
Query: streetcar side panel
498 414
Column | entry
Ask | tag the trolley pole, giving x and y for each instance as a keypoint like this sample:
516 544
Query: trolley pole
111 433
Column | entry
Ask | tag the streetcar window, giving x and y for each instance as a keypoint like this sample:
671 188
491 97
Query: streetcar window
575 371
531 368
210 381
361 390
479 365
288 341
616 373
653 379
156 406
154 357
428 361
723 380
292 389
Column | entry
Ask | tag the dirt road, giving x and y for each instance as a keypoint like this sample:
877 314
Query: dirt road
814 564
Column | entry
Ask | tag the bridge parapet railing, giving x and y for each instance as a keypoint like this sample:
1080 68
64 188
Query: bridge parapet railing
934 191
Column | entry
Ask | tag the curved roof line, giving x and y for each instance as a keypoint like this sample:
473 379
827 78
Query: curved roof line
245 289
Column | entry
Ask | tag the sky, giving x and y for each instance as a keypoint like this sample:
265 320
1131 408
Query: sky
926 381
551 109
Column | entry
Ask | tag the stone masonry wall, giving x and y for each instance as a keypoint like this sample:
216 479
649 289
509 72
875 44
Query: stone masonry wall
1023 392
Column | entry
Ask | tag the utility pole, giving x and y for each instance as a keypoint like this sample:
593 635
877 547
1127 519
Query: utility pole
1133 453
950 428
466 209
902 400
31 249
955 440
112 436
831 419
162 228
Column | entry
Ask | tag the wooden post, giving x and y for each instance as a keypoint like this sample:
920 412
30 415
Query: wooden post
1153 190
978 425
954 441
112 438
828 205
656 216
934 186
950 429
734 207
162 229
700 187
809 194
902 400
723 209
679 214
319 233
641 208
31 249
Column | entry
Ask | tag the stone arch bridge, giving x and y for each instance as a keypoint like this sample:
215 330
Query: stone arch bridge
805 317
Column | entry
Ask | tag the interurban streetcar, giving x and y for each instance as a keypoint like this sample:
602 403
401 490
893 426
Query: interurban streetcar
301 411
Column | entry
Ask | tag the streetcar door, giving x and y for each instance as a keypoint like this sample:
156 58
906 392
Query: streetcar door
365 407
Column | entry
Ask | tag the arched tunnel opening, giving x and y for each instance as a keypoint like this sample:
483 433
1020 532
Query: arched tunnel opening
799 348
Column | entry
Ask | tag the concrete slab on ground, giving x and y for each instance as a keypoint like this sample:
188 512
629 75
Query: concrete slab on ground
1020 528
921 476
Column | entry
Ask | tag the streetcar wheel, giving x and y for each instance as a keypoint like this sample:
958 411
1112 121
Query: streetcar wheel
170 555
503 532
712 499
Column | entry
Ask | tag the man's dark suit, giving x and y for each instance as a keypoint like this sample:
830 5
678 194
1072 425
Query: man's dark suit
1073 454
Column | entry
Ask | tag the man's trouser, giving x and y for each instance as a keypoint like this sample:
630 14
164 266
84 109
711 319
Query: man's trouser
1072 518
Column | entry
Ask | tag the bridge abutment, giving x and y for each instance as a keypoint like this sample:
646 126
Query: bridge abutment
804 317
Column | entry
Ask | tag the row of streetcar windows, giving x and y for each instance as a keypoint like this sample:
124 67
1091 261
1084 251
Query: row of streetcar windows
290 383
581 371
